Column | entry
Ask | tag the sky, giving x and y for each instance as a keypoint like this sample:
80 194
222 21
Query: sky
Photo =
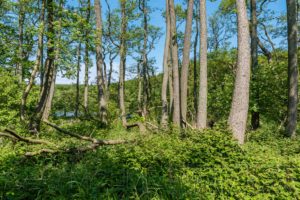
156 19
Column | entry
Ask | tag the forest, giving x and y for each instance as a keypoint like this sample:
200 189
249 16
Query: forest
149 99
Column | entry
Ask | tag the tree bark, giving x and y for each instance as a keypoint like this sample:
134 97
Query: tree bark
292 68
21 50
86 60
195 88
174 52
186 60
122 63
254 63
37 61
48 105
102 103
146 85
164 90
202 105
77 79
49 70
170 78
240 102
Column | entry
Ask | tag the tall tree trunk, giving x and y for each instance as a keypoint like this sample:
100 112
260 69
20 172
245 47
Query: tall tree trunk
102 103
86 60
292 68
164 90
78 79
146 85
49 101
49 70
21 33
174 50
37 61
195 88
240 102
122 63
186 60
254 63
202 105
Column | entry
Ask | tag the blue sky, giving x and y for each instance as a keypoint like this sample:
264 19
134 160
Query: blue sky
157 19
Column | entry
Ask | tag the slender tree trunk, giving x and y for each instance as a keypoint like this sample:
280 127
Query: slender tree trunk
202 106
102 103
123 63
49 70
146 85
174 50
240 102
21 33
254 63
170 79
164 90
292 68
49 101
77 79
196 67
140 88
186 60
37 61
86 60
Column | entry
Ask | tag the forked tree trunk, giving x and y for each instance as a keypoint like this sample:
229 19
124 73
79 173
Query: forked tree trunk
202 105
292 68
48 105
102 103
49 70
122 63
240 102
174 50
254 63
164 90
37 61
186 60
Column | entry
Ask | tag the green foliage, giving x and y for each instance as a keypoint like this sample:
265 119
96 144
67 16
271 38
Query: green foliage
10 96
200 165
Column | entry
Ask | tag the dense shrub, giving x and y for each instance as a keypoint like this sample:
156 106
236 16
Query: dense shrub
198 165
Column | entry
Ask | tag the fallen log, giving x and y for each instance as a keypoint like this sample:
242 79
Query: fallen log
13 135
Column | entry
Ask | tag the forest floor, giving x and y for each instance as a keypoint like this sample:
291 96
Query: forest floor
155 165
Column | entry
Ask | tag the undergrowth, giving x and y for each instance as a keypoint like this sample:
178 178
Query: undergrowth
166 165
